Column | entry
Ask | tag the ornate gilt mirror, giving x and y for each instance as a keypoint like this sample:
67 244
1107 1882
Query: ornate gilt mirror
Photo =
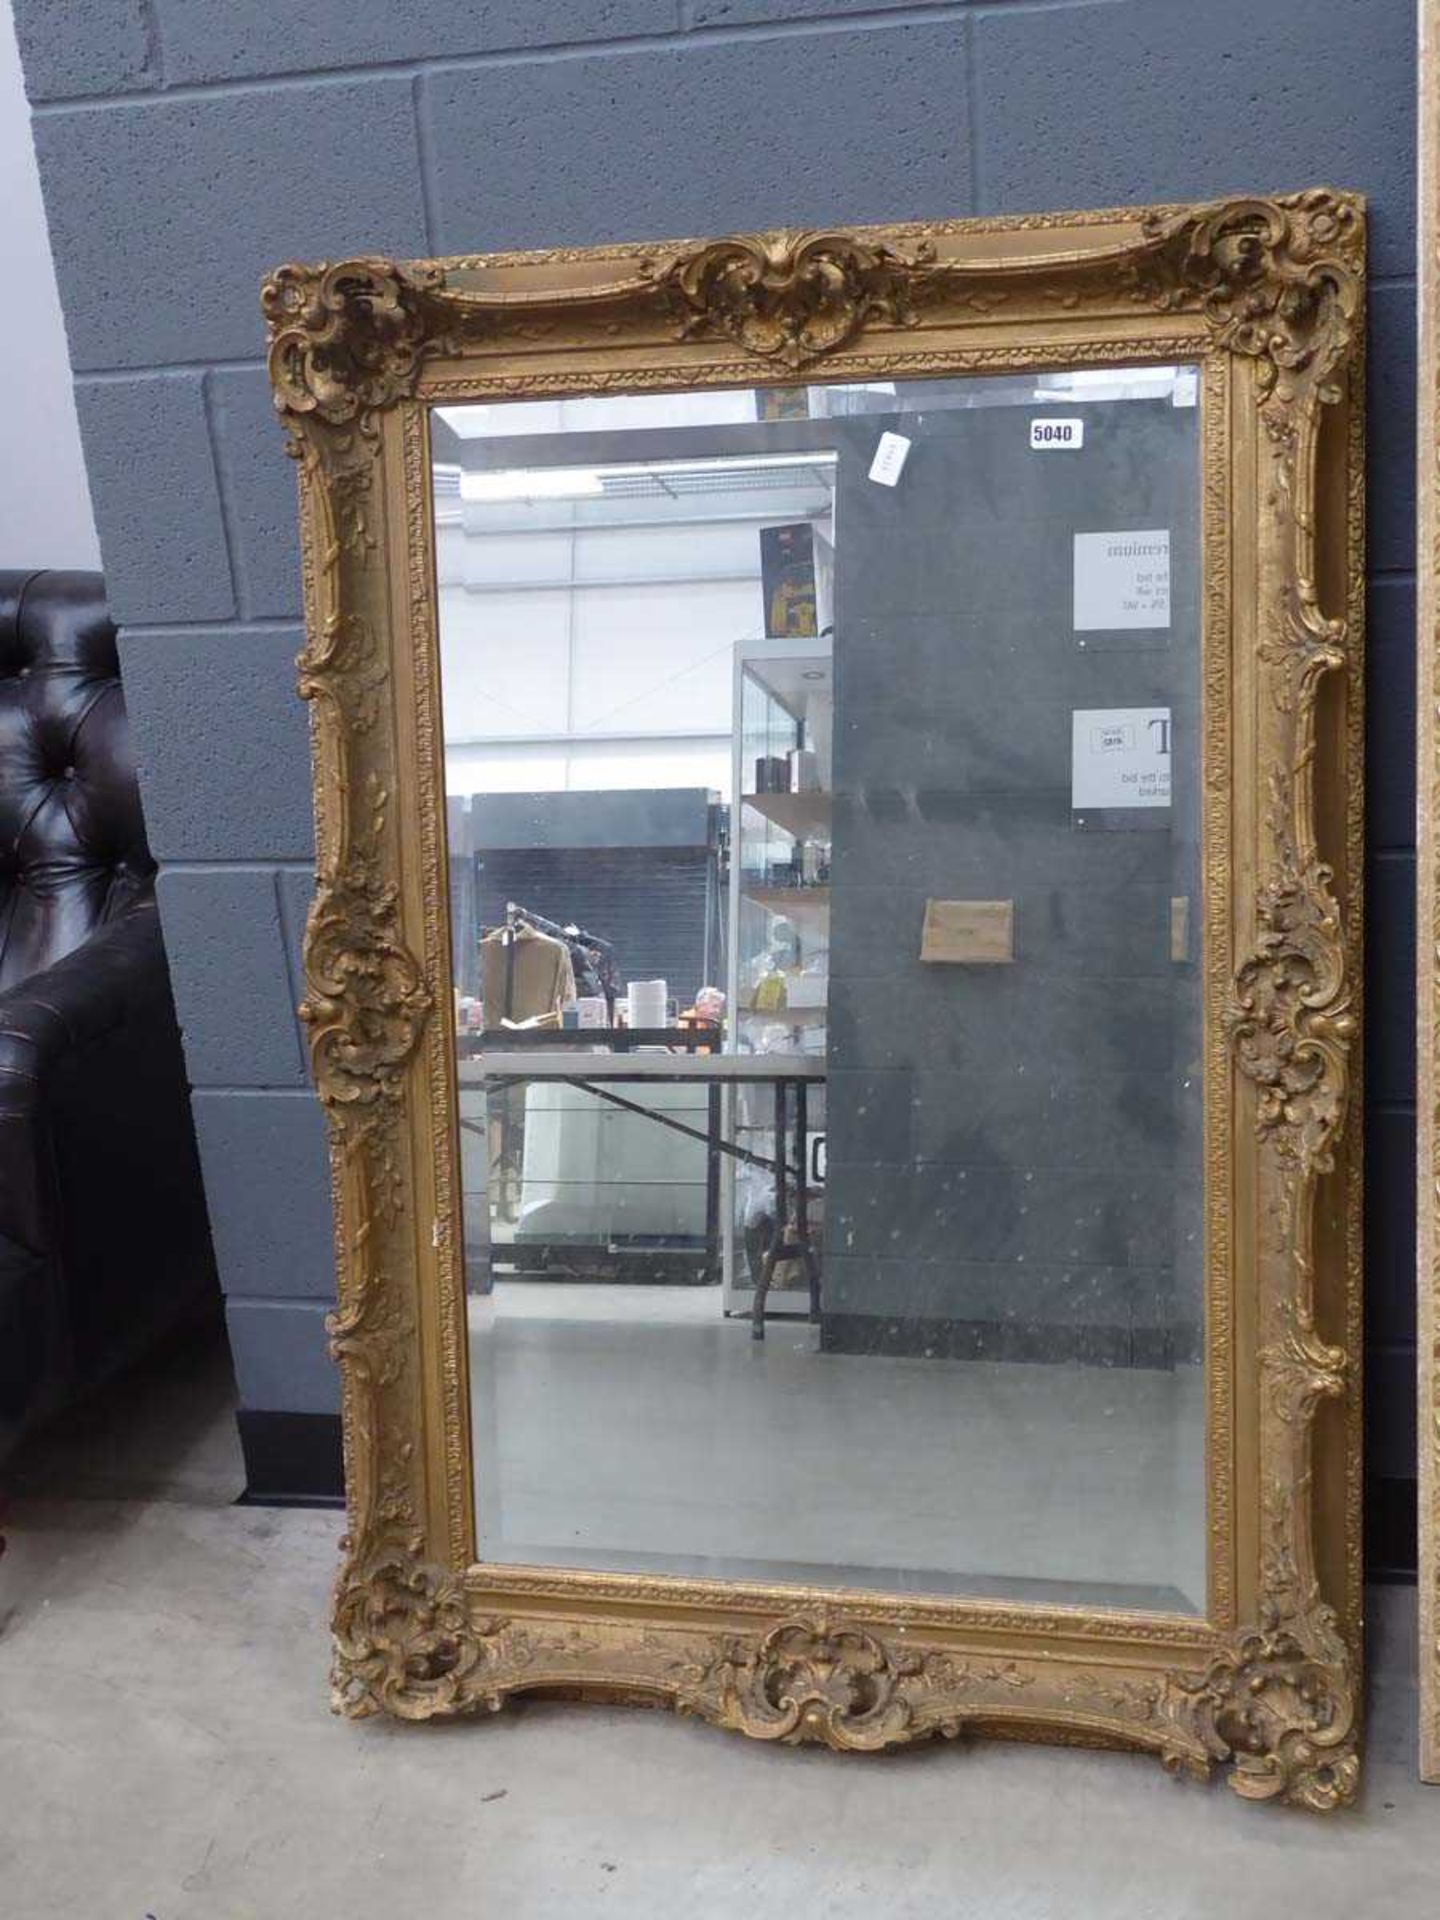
834 975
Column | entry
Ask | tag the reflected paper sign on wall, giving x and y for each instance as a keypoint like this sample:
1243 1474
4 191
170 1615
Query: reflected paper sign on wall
1122 580
1120 757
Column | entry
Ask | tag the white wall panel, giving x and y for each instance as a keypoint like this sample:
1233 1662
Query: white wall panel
588 766
503 662
659 658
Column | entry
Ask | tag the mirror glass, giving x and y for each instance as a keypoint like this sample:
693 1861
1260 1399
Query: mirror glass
823 812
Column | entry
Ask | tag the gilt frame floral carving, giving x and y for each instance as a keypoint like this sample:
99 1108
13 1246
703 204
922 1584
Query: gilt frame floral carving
1267 296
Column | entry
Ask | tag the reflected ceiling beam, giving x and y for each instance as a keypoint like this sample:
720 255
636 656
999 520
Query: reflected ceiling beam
642 736
751 517
627 446
721 577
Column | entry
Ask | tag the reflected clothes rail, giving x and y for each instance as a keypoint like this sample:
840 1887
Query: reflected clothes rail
789 1075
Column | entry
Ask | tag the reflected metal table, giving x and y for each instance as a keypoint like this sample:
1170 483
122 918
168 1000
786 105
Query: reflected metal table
790 1075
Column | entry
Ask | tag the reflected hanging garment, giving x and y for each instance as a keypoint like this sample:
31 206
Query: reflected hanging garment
587 975
591 958
540 979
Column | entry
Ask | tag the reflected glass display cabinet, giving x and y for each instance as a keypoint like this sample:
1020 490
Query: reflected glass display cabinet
779 930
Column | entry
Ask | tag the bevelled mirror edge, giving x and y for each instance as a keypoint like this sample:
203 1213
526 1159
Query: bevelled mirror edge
1268 290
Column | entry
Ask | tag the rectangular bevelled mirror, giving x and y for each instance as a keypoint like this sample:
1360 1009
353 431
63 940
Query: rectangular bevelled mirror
737 688
832 975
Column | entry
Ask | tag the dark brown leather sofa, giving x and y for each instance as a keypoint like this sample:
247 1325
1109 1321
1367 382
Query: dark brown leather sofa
104 1241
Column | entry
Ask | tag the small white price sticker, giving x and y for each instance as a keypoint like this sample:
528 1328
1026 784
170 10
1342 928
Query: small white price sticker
1120 757
890 457
1049 435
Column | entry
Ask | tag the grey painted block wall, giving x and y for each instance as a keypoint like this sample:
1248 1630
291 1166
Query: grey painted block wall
188 145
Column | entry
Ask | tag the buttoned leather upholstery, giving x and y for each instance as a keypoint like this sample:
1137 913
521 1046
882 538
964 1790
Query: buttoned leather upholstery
72 841
103 1234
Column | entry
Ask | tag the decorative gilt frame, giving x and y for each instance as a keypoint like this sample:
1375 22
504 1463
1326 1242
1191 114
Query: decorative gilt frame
1267 296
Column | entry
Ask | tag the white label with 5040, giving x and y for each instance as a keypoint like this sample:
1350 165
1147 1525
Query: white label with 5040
1049 435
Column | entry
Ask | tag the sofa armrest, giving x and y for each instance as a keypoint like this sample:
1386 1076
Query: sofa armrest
116 977
116 980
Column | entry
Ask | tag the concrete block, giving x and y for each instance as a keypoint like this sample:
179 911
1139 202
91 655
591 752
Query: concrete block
1390 417
231 975
156 499
938 839
260 482
1024 1215
930 1293
221 743
113 49
1390 713
735 13
1150 100
987 1022
297 890
224 39
851 126
877 1107
1080 1119
1390 981
282 1356
849 1283
267 1180
1106 928
165 215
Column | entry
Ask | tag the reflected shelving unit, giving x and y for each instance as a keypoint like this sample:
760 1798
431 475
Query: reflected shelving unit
779 906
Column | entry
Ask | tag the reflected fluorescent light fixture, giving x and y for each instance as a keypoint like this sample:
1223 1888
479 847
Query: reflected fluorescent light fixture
532 483
588 483
1122 382
723 463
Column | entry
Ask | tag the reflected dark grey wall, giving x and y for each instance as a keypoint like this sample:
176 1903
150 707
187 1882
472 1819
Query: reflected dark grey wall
1014 1150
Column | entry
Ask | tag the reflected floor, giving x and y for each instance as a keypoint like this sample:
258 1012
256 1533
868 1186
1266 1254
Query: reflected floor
634 1429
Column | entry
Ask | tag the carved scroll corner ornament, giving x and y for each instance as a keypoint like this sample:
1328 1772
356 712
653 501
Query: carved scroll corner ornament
1291 1020
1280 281
792 297
1279 1704
407 1642
346 340
809 1680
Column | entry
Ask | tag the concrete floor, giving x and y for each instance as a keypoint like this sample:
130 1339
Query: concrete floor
165 1751
634 1428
